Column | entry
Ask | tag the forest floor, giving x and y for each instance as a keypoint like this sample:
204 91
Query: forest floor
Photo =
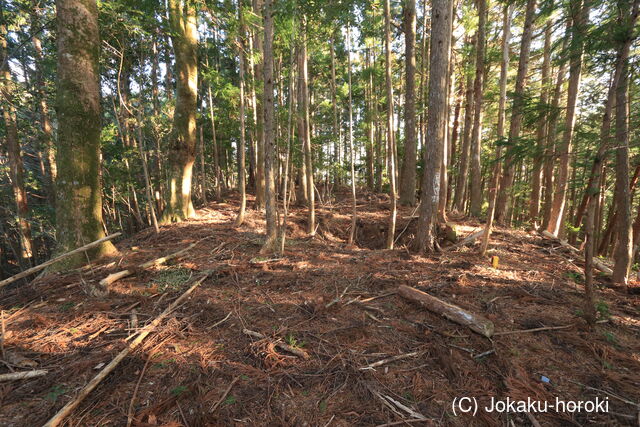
336 303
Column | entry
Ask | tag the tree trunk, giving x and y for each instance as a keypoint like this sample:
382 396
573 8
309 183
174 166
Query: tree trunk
260 131
16 171
391 150
475 186
354 212
304 127
463 164
623 250
436 126
242 186
536 178
580 15
79 186
408 176
182 19
270 244
502 203
495 176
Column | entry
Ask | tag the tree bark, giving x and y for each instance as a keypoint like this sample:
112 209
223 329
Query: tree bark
182 19
506 182
408 171
354 211
79 186
242 186
436 126
304 127
580 15
391 150
270 245
475 185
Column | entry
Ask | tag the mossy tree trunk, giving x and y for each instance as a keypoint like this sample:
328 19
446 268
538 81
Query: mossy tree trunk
79 186
182 19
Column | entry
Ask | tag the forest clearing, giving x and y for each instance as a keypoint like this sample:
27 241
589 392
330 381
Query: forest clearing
319 213
336 304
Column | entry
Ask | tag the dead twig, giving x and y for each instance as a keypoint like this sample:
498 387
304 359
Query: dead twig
14 376
390 359
544 328
144 332
280 345
224 395
221 321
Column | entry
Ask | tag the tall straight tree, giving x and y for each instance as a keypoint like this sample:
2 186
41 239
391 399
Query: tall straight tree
623 248
79 186
495 177
579 11
242 187
16 168
517 113
475 186
408 171
436 121
182 19
391 150
270 244
304 126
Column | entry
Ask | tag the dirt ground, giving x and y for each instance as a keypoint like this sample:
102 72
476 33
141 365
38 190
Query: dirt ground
336 304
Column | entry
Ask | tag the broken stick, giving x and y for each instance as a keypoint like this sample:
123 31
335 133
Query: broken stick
114 277
454 313
390 359
56 259
596 262
282 346
14 376
467 240
144 332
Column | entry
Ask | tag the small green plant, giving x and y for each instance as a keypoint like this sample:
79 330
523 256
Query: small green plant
323 406
575 276
67 306
172 278
244 377
55 392
178 390
611 338
603 309
293 342
230 400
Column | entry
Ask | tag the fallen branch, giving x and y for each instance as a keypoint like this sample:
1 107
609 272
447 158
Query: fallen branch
390 359
224 395
454 313
467 240
114 277
56 259
282 346
596 262
144 332
14 376
394 405
544 328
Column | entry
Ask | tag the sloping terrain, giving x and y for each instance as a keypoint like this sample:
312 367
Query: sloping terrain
335 303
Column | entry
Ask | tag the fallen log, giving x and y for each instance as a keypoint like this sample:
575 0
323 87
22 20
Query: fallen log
454 313
14 376
56 259
596 262
282 346
114 277
467 240
144 332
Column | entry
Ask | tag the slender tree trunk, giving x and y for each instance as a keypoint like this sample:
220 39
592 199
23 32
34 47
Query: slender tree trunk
475 186
623 250
436 126
46 138
391 150
463 166
147 178
495 176
304 128
334 104
354 212
242 187
536 179
580 15
16 171
290 134
408 171
260 125
79 186
503 209
270 244
182 19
